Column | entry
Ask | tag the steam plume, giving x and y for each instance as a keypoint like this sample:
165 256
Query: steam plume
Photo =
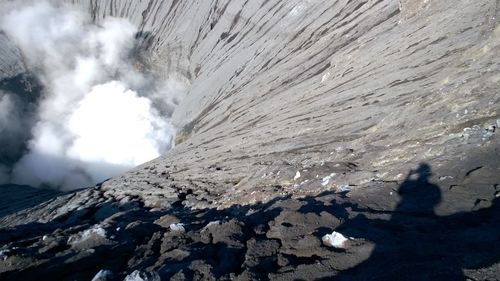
98 115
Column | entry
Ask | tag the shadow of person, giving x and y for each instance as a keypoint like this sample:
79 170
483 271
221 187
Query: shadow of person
416 244
419 196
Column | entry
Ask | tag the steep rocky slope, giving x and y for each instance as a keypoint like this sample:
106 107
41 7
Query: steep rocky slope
302 117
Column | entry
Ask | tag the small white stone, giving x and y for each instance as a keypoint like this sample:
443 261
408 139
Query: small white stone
142 276
336 240
95 231
297 175
443 178
250 212
345 188
326 76
4 254
177 227
325 180
102 275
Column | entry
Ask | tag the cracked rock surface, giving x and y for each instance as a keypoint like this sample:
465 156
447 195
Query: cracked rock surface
375 119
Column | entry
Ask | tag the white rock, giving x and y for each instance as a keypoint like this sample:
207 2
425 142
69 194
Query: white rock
102 275
326 180
345 188
95 231
326 76
177 227
336 240
297 175
218 222
443 178
142 276
4 254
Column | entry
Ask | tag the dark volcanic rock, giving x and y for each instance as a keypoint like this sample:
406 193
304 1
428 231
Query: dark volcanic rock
385 244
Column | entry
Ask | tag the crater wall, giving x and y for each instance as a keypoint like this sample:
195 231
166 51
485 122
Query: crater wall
282 85
300 118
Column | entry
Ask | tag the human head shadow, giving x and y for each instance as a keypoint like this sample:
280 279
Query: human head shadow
418 194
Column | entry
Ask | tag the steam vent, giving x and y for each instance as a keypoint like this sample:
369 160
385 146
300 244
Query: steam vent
250 140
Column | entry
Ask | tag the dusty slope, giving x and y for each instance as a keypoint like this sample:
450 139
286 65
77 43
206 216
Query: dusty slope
305 82
362 91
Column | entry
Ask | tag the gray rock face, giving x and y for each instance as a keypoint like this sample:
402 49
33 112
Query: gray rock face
382 84
289 100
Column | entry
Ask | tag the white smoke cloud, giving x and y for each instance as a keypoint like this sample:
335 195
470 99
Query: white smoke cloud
128 135
99 115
